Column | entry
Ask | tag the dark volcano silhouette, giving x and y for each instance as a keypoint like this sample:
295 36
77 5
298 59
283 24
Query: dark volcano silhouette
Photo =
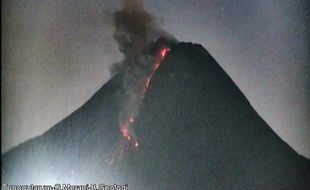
196 130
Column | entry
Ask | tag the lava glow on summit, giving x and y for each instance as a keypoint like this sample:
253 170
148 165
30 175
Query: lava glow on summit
130 142
164 52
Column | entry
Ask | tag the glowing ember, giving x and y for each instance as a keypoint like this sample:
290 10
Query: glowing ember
147 82
155 67
133 143
125 132
164 52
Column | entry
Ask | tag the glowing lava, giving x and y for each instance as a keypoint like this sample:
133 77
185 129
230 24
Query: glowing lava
124 131
130 141
164 52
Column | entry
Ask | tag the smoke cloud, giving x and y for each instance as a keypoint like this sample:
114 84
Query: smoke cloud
133 29
136 33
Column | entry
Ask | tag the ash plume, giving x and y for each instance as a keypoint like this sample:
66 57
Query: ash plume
133 27
136 32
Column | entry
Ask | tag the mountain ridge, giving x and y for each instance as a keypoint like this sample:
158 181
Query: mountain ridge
194 120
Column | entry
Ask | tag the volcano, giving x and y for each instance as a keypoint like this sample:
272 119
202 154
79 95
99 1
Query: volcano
195 128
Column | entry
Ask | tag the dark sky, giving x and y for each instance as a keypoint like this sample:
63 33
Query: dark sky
56 54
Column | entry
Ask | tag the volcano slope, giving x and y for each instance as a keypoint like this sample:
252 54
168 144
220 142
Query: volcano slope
196 130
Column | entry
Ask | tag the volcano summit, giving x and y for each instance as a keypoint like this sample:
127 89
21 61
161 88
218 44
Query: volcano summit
195 128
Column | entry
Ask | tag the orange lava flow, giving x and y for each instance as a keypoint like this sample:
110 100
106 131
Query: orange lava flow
127 126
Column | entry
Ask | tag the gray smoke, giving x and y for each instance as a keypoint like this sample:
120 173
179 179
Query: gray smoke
135 32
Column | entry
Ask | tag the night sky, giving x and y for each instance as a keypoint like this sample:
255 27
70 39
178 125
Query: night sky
55 55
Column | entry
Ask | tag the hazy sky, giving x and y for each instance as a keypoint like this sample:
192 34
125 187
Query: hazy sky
56 54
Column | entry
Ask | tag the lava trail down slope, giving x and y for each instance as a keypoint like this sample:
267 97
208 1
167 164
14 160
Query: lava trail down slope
196 130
